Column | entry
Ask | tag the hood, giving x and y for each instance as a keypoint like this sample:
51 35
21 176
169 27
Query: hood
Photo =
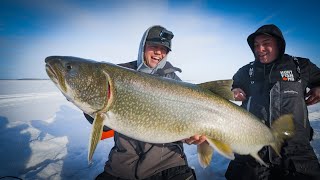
271 30
141 66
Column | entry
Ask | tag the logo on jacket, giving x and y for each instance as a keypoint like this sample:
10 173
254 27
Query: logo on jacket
287 75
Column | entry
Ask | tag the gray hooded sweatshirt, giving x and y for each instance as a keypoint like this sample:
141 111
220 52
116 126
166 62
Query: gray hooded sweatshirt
133 159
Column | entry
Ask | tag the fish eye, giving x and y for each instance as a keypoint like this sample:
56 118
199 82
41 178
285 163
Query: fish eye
68 66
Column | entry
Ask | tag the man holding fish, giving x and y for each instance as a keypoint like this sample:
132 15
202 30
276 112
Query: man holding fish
133 159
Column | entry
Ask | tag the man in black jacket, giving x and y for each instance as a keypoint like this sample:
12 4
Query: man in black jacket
272 85
133 159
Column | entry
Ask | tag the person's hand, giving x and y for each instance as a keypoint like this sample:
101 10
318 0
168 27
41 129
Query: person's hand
239 94
196 139
313 96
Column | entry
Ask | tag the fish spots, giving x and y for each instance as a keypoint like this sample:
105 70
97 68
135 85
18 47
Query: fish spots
88 88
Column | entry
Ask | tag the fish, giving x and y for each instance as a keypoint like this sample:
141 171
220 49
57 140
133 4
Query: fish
160 110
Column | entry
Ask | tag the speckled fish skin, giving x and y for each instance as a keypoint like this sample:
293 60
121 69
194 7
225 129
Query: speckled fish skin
80 84
155 109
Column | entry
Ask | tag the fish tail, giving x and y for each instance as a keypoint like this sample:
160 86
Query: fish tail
282 129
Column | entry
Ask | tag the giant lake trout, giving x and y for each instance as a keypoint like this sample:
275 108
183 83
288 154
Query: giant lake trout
160 110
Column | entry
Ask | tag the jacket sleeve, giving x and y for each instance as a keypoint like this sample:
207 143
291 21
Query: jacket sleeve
314 75
241 79
90 119
175 77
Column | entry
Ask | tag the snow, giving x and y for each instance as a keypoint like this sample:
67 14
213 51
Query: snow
43 136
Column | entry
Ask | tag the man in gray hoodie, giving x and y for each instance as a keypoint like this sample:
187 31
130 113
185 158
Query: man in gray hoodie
133 159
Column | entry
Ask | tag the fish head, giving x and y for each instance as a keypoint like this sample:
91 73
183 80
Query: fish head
81 81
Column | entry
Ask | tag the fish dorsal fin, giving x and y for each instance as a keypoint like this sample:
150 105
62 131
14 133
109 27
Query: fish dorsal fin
205 152
220 87
222 148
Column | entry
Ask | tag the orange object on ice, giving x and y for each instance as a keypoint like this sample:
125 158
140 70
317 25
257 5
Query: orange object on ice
107 134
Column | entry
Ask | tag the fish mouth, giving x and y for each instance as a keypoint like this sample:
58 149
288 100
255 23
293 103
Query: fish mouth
53 67
51 73
56 77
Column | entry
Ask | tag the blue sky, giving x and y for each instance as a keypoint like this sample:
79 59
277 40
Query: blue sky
209 43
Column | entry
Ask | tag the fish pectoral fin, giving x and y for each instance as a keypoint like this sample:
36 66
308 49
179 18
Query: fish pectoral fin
96 132
222 148
220 87
205 152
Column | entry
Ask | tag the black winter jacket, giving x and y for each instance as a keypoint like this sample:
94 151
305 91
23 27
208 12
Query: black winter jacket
273 90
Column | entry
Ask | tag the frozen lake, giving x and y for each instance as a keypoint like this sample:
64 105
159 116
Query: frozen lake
43 136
